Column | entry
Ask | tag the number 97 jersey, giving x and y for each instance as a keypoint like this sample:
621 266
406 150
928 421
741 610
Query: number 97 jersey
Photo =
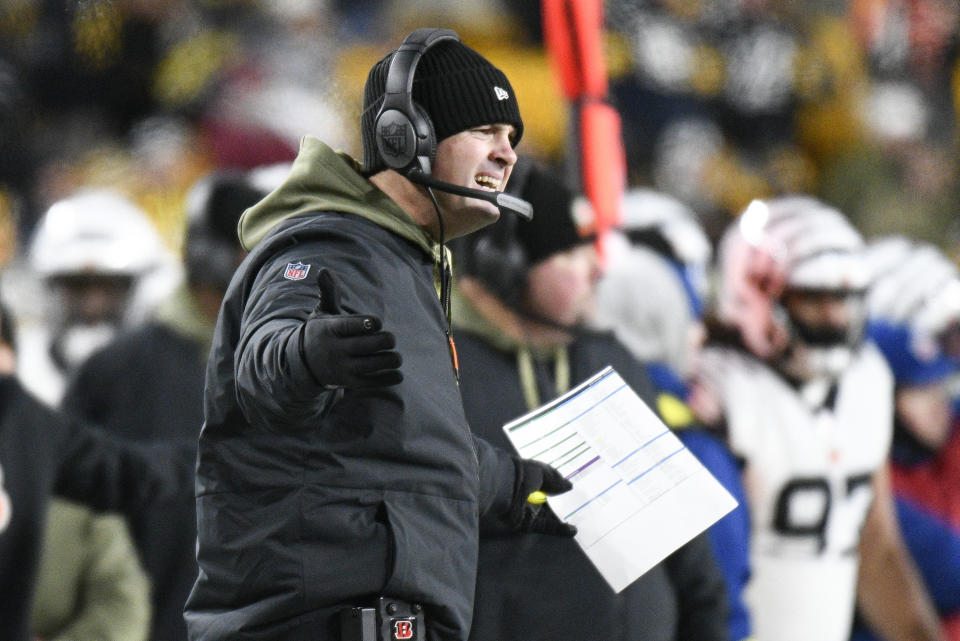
810 455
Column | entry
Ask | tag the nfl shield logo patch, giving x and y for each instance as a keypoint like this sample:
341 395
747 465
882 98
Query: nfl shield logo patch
296 271
395 139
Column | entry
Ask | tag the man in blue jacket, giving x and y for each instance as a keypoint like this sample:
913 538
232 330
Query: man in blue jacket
335 462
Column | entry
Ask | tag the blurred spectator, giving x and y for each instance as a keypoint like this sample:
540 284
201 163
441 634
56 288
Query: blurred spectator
525 291
147 384
43 452
808 406
905 158
709 100
101 266
905 165
17 160
914 308
652 296
90 585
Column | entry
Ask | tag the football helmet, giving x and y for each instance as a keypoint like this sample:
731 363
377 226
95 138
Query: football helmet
215 202
95 231
913 306
659 241
673 229
97 243
792 245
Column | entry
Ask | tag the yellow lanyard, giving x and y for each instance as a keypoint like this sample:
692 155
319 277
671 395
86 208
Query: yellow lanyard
528 376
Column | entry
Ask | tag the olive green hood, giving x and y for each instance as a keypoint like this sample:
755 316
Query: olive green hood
324 180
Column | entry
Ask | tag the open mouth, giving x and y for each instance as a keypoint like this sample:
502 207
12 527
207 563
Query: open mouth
488 183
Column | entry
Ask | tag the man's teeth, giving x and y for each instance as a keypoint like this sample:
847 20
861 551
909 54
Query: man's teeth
488 182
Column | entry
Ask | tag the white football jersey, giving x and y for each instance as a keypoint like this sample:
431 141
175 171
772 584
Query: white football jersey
809 457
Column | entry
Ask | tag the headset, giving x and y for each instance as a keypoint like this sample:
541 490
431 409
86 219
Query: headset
404 134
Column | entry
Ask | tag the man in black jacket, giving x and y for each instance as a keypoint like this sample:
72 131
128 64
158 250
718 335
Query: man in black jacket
335 462
524 291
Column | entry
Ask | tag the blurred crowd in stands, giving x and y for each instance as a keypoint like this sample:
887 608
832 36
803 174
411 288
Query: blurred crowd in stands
721 101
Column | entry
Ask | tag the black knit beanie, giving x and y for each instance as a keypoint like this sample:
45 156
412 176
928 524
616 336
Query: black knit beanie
553 228
457 88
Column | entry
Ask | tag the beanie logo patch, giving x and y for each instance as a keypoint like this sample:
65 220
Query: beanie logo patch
501 93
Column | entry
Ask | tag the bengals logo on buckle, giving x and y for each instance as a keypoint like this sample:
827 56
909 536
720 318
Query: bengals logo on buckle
404 629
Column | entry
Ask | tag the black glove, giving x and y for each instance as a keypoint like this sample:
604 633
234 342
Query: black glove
347 350
532 476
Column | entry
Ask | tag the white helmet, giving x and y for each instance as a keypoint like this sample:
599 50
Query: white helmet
652 291
95 233
647 212
789 243
914 308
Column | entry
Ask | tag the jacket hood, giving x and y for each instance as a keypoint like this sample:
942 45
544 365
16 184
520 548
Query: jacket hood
322 179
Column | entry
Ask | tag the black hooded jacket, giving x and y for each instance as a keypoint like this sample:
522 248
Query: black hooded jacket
311 500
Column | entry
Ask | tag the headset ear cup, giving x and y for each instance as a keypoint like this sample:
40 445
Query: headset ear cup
396 139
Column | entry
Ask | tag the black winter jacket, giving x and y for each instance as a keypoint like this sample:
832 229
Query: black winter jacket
310 500
43 452
532 588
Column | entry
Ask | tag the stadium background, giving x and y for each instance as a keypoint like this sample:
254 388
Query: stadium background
721 100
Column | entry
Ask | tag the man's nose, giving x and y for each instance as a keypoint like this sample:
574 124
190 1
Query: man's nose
504 151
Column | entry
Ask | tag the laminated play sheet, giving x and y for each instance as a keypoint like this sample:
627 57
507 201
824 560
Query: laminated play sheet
638 494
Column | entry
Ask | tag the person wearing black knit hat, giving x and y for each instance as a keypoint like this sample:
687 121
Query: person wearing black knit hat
147 384
523 293
336 471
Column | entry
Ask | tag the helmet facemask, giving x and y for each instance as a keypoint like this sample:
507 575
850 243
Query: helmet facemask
826 328
87 311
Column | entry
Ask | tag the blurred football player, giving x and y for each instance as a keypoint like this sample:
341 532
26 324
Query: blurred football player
147 384
102 266
914 310
807 404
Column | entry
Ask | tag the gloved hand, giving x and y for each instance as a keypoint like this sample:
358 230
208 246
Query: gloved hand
524 516
347 350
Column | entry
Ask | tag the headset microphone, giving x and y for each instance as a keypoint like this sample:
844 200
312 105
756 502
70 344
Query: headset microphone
504 202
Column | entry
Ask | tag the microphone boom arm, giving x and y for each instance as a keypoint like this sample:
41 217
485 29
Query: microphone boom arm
505 202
